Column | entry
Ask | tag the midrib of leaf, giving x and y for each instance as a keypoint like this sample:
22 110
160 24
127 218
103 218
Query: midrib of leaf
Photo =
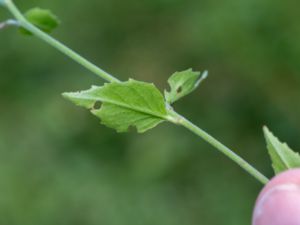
126 106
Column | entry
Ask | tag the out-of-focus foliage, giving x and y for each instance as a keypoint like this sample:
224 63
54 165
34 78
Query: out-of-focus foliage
58 166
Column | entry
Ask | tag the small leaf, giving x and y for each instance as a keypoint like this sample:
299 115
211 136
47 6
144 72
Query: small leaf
183 83
124 104
42 18
283 158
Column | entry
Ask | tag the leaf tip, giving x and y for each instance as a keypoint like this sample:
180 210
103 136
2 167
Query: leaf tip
265 129
205 74
267 133
203 77
67 95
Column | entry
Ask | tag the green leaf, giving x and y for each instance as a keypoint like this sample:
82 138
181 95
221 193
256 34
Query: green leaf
283 158
124 104
183 83
42 18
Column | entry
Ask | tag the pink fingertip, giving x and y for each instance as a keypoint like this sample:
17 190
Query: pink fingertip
279 201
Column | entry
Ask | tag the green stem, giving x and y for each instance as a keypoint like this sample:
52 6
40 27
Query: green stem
56 44
174 117
178 119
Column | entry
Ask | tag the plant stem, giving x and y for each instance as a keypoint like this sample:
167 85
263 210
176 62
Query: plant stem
218 145
174 117
56 44
8 23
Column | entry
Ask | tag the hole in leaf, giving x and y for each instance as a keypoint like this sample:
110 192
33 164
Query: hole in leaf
179 90
97 105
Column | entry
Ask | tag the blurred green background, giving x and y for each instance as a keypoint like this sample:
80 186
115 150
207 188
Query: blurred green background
58 165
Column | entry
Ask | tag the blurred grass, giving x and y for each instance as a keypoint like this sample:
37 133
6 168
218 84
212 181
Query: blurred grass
59 166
